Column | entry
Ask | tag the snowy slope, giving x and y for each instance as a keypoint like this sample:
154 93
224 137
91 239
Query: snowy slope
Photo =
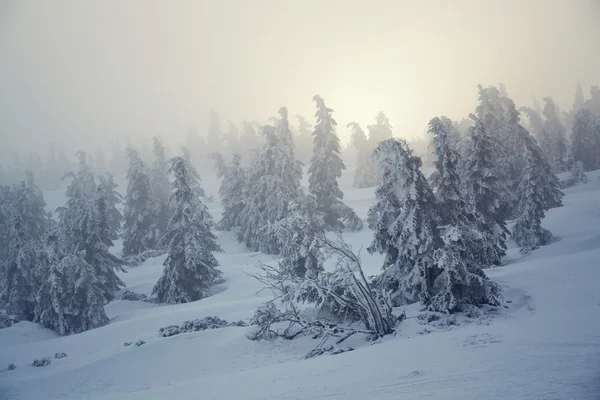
545 346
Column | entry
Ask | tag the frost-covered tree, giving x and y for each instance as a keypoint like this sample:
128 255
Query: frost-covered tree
161 186
273 182
554 143
325 168
231 192
28 202
113 200
536 122
380 131
250 141
70 299
187 156
365 174
19 271
538 191
232 139
96 242
460 280
586 140
82 186
190 267
304 139
299 234
593 103
485 190
404 219
140 229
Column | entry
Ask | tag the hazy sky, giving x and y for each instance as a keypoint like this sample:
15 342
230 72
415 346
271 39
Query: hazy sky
87 71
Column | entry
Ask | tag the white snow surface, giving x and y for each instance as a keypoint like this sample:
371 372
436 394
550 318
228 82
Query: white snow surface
545 345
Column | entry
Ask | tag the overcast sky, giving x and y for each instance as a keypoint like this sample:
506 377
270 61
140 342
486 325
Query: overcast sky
84 72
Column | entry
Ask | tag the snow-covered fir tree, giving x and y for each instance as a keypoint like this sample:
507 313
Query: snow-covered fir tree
485 190
140 228
365 174
96 242
325 168
161 186
554 144
380 131
232 139
20 271
28 202
70 299
187 156
538 191
461 280
273 182
231 193
113 201
304 139
298 236
190 267
404 220
585 139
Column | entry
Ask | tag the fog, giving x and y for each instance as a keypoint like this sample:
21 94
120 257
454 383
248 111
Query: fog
85 73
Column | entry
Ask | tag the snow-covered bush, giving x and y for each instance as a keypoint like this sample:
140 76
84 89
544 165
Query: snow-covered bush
196 325
132 296
11 367
136 260
41 362
577 176
140 343
58 356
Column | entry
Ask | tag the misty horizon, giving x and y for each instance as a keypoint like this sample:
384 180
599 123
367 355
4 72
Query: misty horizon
84 75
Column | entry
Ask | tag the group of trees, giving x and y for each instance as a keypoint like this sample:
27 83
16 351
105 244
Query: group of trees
437 233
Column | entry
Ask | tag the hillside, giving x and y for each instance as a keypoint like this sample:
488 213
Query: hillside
546 345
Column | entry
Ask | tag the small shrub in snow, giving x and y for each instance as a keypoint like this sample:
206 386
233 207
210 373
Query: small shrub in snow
341 350
197 325
139 343
11 367
126 344
41 362
329 349
132 296
60 355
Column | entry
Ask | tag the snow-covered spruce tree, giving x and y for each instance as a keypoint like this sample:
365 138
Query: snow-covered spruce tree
96 244
20 271
232 139
538 191
298 236
28 202
190 268
364 173
231 192
83 185
485 190
554 143
380 131
161 186
113 200
325 168
304 140
273 182
404 220
461 280
586 140
187 156
536 123
70 299
140 230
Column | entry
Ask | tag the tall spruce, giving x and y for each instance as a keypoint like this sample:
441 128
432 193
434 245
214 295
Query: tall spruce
113 201
231 193
538 192
586 139
325 168
190 267
485 190
140 230
404 219
161 186
554 143
365 174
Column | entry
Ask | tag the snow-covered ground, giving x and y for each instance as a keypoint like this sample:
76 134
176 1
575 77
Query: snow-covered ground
546 345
